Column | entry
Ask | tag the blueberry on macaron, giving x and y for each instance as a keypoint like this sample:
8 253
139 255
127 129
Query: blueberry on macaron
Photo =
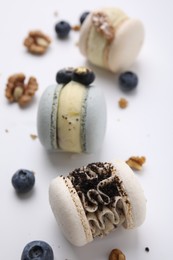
128 80
64 76
83 75
37 250
62 29
23 180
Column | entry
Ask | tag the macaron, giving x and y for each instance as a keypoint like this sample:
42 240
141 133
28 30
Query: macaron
71 116
110 39
94 200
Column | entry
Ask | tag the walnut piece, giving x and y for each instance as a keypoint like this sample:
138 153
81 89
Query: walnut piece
116 254
37 42
76 27
17 91
136 162
123 103
103 25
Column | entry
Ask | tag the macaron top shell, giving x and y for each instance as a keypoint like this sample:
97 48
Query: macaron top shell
126 45
46 122
69 212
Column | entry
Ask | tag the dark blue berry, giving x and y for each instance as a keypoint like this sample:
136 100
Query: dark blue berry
37 250
83 75
23 180
83 16
128 80
64 76
62 29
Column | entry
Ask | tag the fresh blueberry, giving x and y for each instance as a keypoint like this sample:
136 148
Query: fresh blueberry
37 250
64 76
83 16
83 75
62 29
128 80
23 180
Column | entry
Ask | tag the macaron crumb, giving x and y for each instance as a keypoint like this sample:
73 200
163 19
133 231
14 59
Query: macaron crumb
123 103
136 162
33 136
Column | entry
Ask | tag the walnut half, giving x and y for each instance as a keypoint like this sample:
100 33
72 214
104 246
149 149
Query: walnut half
37 42
17 91
116 254
136 162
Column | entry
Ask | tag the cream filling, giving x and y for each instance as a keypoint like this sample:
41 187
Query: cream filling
102 196
97 44
70 117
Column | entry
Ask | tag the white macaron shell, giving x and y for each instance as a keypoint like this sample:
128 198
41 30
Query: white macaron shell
126 45
134 192
96 117
69 212
44 116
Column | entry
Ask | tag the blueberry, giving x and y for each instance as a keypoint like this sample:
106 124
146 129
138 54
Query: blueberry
37 250
128 80
83 75
83 16
62 29
64 76
23 180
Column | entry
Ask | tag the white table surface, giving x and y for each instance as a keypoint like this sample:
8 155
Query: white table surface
145 127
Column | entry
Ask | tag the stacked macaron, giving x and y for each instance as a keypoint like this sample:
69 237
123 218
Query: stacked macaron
94 200
110 39
72 114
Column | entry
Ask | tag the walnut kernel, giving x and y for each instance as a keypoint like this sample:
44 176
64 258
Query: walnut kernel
103 25
117 254
17 91
37 42
136 162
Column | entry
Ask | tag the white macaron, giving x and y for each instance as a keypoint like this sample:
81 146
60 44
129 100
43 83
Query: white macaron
110 39
94 200
72 118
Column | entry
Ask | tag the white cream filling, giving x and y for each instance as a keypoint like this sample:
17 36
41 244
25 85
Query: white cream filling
69 117
97 43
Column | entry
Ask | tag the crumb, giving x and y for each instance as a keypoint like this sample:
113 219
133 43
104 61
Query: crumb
147 249
33 136
19 91
123 103
6 130
76 28
55 13
117 254
136 162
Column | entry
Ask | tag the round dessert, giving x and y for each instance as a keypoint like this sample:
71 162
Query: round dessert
94 200
110 39
72 115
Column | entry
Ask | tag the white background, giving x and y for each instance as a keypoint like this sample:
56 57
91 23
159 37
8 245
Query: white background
144 128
